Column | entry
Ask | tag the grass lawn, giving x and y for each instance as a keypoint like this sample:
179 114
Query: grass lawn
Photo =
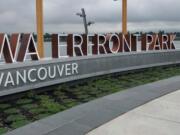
32 106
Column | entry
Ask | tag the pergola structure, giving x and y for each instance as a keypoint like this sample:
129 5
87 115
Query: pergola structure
124 16
40 24
40 27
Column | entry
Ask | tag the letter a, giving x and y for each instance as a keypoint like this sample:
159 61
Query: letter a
28 47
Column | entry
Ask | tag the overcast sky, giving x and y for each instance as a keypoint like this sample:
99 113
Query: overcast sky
59 15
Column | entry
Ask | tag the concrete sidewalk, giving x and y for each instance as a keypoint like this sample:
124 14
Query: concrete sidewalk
159 117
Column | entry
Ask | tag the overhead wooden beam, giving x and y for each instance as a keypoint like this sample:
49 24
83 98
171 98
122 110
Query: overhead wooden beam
40 31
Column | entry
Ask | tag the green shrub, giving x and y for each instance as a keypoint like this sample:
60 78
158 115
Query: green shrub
43 98
32 95
63 88
12 111
49 104
36 111
60 95
43 115
29 106
3 130
24 101
20 123
4 106
13 118
70 105
82 97
93 92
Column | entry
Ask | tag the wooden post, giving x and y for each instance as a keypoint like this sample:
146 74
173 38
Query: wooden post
40 35
124 16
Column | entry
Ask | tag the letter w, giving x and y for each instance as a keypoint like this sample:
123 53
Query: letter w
9 48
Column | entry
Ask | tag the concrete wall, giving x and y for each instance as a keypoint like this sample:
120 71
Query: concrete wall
87 67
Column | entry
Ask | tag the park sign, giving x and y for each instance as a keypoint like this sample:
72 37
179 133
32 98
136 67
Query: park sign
21 47
22 69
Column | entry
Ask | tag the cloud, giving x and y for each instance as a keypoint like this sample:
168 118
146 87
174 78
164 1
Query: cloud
59 15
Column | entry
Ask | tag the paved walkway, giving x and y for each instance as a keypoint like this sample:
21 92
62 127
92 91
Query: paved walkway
162 117
159 117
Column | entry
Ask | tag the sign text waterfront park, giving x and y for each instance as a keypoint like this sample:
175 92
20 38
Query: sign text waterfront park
101 54
19 47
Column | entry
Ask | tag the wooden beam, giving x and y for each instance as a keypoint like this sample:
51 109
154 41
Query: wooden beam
124 16
40 31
